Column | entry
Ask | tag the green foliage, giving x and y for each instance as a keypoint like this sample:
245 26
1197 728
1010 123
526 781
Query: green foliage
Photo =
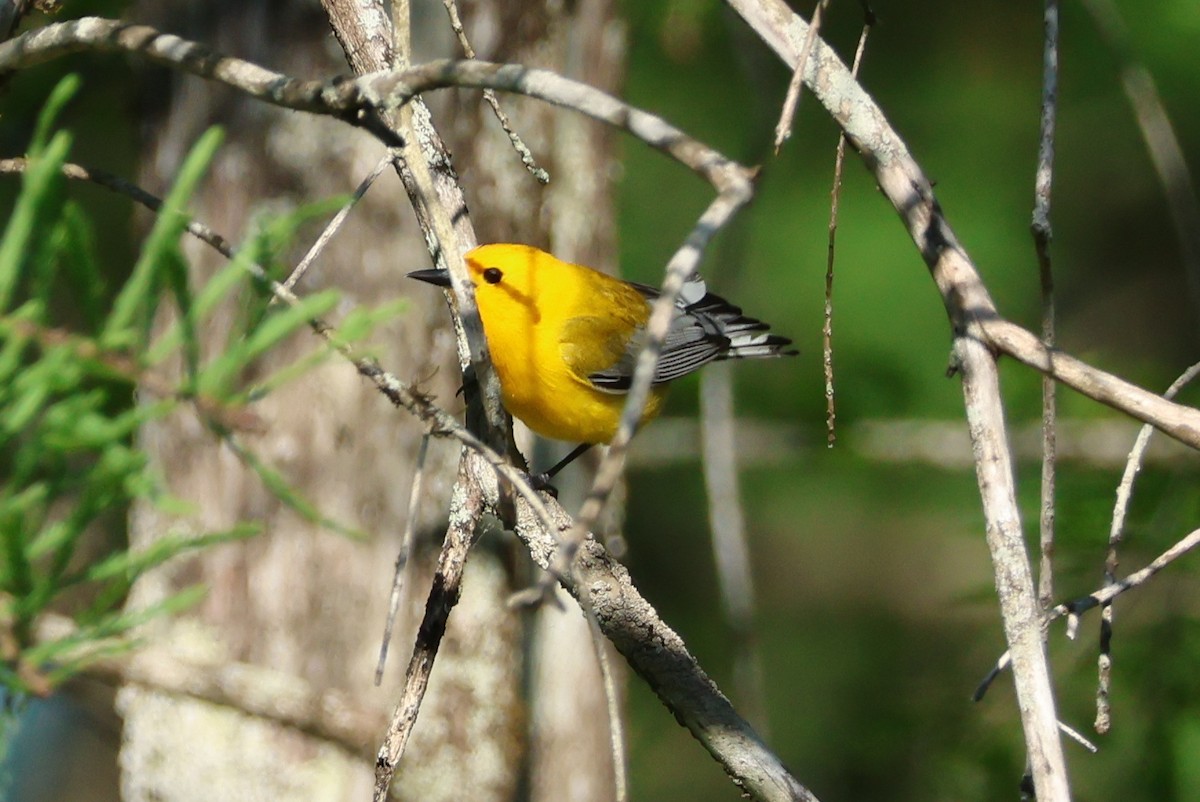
69 461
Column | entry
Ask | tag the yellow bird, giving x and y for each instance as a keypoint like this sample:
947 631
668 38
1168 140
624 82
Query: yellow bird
565 339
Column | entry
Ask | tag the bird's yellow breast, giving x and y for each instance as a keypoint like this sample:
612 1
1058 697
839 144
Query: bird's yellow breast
549 325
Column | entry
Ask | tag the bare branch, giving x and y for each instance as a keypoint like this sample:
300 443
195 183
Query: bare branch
93 33
835 193
359 99
1176 420
115 183
490 96
334 225
1014 582
406 542
969 307
1077 737
1042 234
423 165
1138 578
1116 533
1133 465
1102 597
466 506
783 129
660 657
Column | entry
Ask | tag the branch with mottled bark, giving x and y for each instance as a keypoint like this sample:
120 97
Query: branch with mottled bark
971 310
1043 232
659 655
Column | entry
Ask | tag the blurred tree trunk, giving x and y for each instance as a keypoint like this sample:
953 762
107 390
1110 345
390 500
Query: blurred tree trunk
305 603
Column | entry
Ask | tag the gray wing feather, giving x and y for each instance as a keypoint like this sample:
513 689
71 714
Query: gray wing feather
705 328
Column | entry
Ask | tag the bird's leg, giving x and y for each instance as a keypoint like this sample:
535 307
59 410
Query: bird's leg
541 481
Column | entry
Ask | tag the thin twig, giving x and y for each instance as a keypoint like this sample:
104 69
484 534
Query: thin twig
783 129
406 541
1042 235
334 225
1103 721
490 96
835 197
78 172
616 731
1134 580
1105 595
1076 736
1002 663
466 505
1133 466
1116 534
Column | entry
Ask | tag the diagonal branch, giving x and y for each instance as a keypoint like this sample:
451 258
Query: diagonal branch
660 657
1102 597
970 308
911 195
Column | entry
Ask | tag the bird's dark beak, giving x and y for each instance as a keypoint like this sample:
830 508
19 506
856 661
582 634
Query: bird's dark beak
432 276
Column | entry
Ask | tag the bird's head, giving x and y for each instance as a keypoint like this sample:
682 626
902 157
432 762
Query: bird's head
509 280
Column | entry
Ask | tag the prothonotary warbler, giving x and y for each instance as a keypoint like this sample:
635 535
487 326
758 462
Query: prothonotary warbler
565 339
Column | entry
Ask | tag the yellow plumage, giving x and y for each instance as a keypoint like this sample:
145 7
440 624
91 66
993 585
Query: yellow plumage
564 338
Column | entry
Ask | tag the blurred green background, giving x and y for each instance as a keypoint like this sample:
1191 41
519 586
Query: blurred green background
876 611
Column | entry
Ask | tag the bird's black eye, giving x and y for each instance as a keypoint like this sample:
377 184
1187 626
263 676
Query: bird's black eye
492 275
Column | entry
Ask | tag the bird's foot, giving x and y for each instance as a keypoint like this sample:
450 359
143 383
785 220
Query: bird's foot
541 483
